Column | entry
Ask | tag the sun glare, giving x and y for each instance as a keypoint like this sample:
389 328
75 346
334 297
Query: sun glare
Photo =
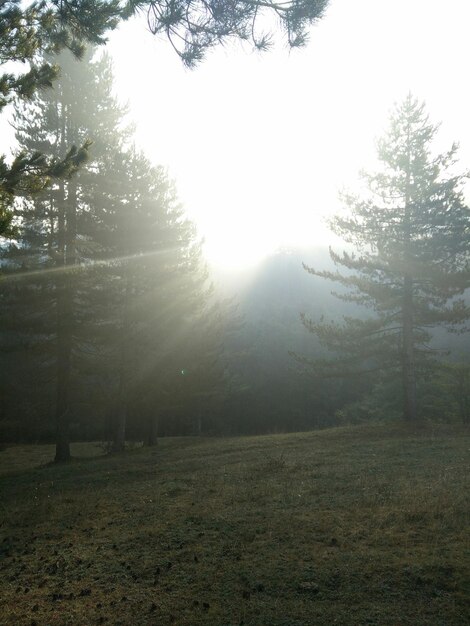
235 250
259 145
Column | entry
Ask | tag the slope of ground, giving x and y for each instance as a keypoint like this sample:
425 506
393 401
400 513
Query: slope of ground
347 526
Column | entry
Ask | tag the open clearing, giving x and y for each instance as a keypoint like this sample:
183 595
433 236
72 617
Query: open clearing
364 525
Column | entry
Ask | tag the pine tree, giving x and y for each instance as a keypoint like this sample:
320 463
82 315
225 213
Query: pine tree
198 377
153 278
53 242
33 35
411 237
122 275
195 26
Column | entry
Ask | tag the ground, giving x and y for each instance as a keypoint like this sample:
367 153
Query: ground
362 525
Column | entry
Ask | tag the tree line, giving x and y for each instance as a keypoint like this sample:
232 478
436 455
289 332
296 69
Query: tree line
109 322
105 294
408 263
110 325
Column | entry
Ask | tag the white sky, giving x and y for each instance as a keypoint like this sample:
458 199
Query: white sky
259 144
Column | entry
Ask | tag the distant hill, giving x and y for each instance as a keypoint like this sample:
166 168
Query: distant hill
271 299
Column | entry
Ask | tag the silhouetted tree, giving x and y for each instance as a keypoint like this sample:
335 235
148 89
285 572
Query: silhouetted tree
53 242
195 26
31 34
412 236
151 281
107 275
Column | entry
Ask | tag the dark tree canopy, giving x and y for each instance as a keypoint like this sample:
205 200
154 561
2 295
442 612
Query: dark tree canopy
106 282
194 26
410 266
28 32
28 35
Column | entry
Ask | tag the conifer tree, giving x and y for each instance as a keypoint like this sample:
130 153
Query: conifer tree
411 237
33 34
53 240
114 267
153 280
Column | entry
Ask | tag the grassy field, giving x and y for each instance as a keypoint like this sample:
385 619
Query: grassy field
348 526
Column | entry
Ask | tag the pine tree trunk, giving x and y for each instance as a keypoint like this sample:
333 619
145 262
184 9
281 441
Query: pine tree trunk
65 298
63 379
408 362
120 416
408 354
119 441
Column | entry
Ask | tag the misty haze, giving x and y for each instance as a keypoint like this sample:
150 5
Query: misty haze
235 313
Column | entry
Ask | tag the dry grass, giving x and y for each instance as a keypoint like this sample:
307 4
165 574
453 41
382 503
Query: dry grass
347 526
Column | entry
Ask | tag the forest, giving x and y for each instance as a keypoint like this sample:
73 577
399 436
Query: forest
112 327
283 443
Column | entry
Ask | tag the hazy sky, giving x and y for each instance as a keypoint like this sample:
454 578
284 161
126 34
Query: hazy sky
259 144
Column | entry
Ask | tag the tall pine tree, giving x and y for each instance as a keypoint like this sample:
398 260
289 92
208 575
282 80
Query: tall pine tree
110 282
152 278
53 242
411 237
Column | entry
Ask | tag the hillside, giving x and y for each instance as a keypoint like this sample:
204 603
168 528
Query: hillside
347 526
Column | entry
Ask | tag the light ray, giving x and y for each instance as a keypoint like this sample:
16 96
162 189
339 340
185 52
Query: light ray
10 275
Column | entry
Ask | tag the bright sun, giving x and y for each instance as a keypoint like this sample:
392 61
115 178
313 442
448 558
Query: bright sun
259 145
236 249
